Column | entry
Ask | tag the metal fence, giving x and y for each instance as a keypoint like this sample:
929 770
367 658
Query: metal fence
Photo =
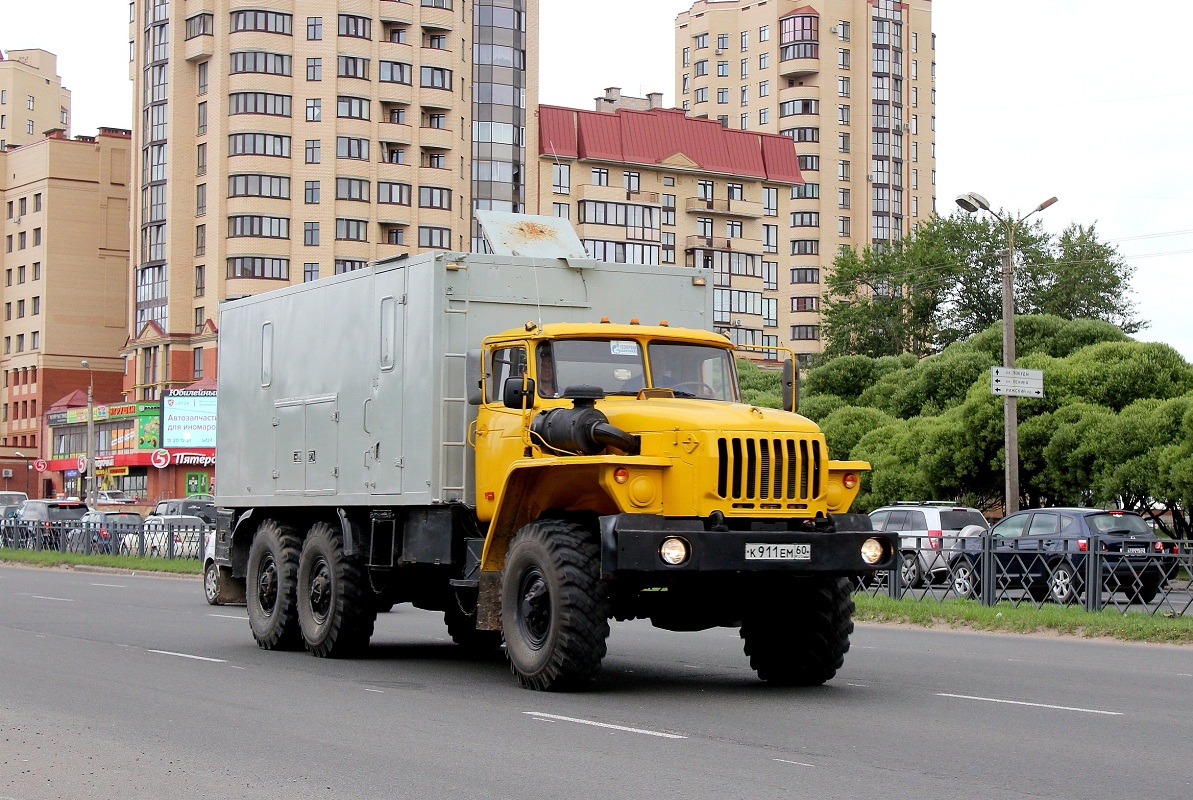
151 539
1086 572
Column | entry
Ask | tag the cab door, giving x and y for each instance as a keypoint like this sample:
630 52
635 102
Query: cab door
498 440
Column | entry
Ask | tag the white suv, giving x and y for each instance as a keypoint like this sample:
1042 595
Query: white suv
928 532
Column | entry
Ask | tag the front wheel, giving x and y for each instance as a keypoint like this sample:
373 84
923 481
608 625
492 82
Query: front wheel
799 636
272 576
211 583
554 611
335 607
911 573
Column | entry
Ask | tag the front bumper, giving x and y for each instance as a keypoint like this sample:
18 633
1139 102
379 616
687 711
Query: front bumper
630 544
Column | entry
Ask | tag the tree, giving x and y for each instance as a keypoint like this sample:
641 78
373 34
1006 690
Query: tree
942 283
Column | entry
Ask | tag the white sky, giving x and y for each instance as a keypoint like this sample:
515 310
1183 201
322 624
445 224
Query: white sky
1087 100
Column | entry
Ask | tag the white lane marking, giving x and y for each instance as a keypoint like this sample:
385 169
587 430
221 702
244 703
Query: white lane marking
227 616
1034 705
541 715
797 763
859 685
188 655
43 597
378 691
111 585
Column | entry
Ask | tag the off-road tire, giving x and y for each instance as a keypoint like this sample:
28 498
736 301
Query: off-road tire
272 578
554 608
461 626
211 583
799 636
335 604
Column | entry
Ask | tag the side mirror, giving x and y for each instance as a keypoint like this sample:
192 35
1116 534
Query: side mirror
790 386
472 376
514 396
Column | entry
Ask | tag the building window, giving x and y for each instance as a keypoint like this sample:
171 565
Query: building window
701 95
842 58
561 210
200 240
701 67
258 226
630 181
561 178
200 25
314 69
352 189
843 170
312 151
310 271
805 247
842 142
200 199
668 217
722 95
352 67
352 107
203 70
600 176
274 105
395 72
351 147
667 243
197 363
704 226
764 116
260 62
253 185
200 280
268 21
733 229
805 219
354 26
201 119
254 144
806 191
704 190
200 318
434 197
353 230
393 193
349 265
434 237
805 275
791 108
311 192
801 333
843 226
722 69
310 234
314 28
259 267
770 201
435 78
700 41
807 303
395 236
770 238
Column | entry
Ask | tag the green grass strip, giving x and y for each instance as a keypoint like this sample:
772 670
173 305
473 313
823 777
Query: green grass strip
53 558
1134 626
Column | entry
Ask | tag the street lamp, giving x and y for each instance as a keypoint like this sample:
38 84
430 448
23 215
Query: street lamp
28 468
89 483
972 202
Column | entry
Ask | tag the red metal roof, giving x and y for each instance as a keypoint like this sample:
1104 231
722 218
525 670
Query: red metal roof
651 138
802 11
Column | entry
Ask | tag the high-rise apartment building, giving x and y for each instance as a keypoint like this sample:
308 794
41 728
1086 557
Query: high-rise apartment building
852 82
274 146
657 186
64 266
32 98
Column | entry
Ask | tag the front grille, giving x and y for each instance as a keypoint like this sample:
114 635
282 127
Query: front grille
758 469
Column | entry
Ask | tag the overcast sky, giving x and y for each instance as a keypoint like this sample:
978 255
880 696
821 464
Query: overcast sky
1087 100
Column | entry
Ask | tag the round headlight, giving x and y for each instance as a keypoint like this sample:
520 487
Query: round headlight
872 551
674 551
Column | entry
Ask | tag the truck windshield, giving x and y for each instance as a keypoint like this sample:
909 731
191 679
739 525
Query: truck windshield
618 367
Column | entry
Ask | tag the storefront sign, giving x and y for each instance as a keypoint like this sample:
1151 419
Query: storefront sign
188 418
163 458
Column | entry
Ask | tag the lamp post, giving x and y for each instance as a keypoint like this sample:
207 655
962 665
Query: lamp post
89 483
971 202
28 468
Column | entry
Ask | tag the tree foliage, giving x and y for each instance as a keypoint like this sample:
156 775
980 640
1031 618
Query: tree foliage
942 283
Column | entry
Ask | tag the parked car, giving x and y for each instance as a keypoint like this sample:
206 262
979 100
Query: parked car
43 523
114 496
1044 551
10 502
98 531
928 533
186 530
185 506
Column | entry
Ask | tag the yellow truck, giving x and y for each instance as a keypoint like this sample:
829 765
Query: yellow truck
472 434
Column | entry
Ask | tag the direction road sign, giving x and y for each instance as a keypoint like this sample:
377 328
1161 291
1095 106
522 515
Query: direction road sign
1017 382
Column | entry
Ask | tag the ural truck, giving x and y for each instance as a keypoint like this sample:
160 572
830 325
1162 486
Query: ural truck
472 434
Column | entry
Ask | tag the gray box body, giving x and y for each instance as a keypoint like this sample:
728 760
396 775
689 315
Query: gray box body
351 390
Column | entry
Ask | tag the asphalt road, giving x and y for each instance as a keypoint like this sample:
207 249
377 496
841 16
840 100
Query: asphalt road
118 686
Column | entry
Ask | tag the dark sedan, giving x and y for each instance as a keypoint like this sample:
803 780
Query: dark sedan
1044 551
98 530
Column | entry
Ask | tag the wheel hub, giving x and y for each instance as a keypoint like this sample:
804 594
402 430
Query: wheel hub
320 593
534 617
267 585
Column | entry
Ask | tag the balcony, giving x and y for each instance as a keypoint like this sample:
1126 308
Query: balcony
733 208
437 138
396 132
438 57
616 194
396 11
799 58
199 47
437 18
751 246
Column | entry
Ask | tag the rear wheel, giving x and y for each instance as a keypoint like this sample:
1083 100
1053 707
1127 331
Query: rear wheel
910 572
798 636
964 579
272 577
1147 592
335 603
554 611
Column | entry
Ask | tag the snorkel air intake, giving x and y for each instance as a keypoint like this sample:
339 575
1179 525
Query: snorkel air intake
581 429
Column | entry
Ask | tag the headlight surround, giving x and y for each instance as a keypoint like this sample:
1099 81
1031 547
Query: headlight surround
675 551
872 551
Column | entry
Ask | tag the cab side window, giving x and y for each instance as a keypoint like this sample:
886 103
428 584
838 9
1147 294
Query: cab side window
505 362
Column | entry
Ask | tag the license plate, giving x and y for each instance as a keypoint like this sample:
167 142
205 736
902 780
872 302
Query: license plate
1136 551
778 552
